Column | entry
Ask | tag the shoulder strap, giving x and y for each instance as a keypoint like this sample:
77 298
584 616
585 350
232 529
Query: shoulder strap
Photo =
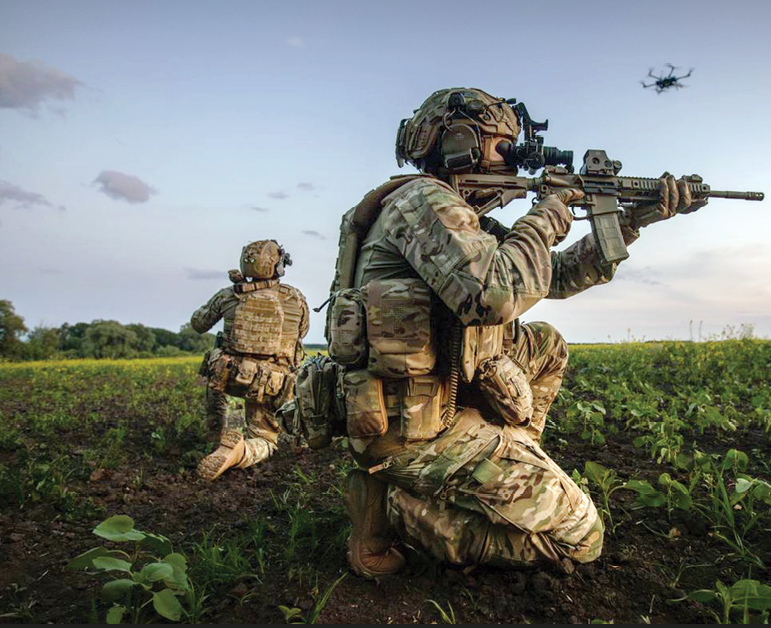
356 223
250 286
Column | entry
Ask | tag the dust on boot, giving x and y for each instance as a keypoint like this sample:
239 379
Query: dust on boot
230 453
371 551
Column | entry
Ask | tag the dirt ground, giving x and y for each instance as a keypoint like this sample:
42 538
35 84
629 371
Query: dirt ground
644 565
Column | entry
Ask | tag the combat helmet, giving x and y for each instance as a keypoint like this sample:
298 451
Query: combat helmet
264 259
451 131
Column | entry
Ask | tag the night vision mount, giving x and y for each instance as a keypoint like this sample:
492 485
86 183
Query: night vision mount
532 154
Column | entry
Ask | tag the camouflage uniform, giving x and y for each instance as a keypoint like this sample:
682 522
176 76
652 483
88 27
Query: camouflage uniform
446 393
483 491
269 382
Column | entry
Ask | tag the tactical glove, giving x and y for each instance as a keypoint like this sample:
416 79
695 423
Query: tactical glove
674 198
554 207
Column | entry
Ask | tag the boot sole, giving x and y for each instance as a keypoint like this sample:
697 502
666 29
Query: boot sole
227 455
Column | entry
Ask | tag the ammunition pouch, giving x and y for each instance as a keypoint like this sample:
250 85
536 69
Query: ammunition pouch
366 414
399 327
423 399
269 381
250 378
346 328
504 385
319 414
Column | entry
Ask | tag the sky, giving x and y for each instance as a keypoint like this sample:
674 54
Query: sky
144 143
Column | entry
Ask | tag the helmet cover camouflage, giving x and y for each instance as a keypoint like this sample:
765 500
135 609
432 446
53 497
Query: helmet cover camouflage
474 116
264 259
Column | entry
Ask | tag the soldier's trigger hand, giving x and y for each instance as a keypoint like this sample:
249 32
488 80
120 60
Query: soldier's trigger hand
569 195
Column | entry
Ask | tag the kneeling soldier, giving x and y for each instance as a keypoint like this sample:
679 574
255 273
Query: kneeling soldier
260 350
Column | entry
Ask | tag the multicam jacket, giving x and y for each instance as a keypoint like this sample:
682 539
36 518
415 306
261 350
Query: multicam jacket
426 233
426 230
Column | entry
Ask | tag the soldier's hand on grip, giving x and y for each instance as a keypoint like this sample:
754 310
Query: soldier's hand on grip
556 204
674 198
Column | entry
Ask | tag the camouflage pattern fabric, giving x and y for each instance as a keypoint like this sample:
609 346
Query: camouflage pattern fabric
543 353
257 323
294 327
399 327
216 411
260 433
483 491
272 380
345 328
426 230
484 494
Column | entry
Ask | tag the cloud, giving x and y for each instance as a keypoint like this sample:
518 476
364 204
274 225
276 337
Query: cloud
646 276
259 209
315 234
279 195
199 274
306 186
124 187
22 198
295 42
25 85
49 271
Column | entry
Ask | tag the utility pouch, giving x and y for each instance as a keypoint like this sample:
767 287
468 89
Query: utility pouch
505 386
267 382
421 408
274 383
366 414
480 343
247 369
346 329
399 327
220 364
317 408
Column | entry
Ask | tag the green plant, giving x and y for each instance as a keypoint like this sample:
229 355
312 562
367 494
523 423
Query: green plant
293 615
744 598
144 577
731 507
225 558
607 482
592 415
447 616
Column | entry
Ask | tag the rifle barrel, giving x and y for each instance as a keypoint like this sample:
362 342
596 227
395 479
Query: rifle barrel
744 196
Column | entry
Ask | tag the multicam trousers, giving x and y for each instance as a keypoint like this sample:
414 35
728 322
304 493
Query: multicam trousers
259 425
485 494
543 353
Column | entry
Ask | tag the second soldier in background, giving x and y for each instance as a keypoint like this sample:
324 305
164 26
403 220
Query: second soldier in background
261 347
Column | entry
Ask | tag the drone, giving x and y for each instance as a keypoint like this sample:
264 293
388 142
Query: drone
663 83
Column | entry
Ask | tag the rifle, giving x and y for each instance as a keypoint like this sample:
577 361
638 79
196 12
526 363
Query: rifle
605 192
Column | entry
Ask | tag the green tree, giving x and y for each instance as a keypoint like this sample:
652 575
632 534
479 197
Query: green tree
109 339
145 337
165 338
11 329
191 340
71 338
42 343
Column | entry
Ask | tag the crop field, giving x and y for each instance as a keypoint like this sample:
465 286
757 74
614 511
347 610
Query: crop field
672 440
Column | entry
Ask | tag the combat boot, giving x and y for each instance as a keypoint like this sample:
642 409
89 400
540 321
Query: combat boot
371 551
229 454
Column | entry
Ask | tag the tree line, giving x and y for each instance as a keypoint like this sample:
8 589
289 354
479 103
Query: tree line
97 339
